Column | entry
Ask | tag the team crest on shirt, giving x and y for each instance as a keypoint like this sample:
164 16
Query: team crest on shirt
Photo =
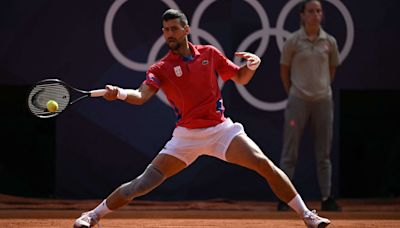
178 71
204 62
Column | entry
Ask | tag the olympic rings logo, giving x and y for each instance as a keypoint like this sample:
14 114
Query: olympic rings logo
196 33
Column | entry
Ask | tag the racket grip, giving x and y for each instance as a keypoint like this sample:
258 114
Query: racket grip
97 93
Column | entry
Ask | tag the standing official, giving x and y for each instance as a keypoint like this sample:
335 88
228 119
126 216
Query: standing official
308 65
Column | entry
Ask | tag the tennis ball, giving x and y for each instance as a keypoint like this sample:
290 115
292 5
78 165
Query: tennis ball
52 106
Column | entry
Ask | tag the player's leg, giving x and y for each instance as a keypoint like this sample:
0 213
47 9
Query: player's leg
162 167
244 152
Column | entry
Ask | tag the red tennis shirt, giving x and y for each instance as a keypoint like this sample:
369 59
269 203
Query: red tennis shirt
191 84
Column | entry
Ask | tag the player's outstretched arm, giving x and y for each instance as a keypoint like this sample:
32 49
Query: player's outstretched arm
133 96
246 72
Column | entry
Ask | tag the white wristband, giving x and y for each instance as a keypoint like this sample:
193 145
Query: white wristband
122 94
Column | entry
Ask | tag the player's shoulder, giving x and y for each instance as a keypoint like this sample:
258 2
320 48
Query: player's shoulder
157 65
205 47
162 62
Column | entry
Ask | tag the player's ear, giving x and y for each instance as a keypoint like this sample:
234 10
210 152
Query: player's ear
187 29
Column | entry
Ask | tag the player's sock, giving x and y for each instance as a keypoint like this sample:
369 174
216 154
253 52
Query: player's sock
298 205
101 210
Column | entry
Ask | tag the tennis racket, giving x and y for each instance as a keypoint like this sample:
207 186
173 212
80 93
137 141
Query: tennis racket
59 91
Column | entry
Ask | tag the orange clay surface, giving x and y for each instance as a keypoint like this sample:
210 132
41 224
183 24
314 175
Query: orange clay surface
46 213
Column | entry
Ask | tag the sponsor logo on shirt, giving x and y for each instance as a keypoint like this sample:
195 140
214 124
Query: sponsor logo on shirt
204 62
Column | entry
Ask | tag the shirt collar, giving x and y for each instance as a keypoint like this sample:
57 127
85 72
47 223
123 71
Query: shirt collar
322 34
192 48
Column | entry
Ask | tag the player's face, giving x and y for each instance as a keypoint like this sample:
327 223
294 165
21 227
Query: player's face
312 15
174 33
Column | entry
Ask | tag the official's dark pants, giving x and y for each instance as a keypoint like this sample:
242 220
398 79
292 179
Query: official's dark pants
319 113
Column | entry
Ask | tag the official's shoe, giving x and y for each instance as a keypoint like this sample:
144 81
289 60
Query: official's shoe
312 220
87 219
330 204
282 206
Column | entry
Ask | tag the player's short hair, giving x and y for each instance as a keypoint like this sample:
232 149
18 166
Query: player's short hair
303 4
174 14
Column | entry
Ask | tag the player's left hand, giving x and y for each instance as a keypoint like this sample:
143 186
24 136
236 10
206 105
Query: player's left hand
253 61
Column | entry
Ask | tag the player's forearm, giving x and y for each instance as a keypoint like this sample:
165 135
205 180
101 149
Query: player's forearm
135 97
246 72
141 95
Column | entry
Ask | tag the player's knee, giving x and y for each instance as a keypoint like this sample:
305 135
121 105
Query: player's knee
265 166
149 180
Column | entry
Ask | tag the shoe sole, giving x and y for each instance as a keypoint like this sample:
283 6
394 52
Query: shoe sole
83 226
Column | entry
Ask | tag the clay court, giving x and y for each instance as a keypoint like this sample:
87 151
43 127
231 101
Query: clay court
43 213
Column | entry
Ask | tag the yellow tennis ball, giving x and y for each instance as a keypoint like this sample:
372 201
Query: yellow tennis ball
52 106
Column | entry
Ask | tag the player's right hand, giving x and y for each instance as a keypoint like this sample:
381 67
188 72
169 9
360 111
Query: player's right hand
115 92
111 93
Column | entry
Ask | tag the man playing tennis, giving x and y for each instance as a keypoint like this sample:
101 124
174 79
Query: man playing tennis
187 77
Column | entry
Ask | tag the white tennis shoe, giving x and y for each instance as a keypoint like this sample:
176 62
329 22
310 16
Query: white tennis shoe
312 220
87 219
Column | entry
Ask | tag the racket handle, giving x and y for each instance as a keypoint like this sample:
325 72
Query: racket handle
97 92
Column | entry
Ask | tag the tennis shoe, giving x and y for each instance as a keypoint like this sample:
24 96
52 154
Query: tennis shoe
87 219
312 220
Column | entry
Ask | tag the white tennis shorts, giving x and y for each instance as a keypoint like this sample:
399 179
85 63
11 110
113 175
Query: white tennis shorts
188 144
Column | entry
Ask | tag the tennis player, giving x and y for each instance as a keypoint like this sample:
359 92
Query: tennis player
187 77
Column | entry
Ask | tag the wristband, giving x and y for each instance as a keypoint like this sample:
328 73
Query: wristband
122 94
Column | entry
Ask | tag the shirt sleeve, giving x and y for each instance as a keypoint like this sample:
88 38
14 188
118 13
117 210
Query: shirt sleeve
287 52
226 68
152 78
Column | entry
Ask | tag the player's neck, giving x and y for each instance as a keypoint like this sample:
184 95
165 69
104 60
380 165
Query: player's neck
184 50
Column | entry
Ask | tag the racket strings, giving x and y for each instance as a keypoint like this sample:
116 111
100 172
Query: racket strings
42 93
